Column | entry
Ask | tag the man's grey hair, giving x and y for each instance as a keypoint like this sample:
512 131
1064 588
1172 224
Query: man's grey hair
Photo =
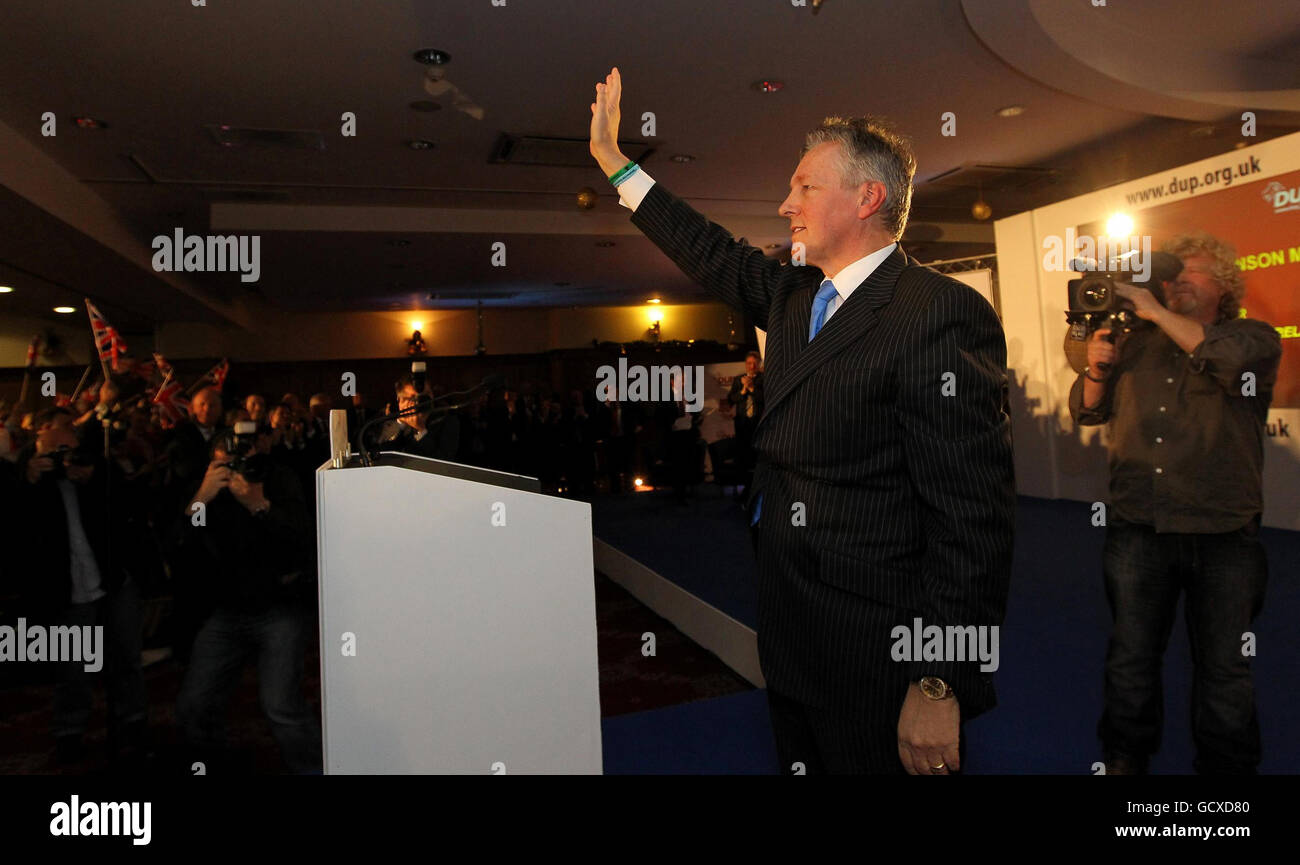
870 150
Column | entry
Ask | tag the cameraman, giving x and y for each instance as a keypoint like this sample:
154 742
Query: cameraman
244 565
82 536
1186 403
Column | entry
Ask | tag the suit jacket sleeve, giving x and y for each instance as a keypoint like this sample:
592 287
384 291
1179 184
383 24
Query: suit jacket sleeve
952 406
737 273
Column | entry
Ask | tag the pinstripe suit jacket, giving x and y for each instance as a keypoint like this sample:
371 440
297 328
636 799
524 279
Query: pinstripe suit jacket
907 494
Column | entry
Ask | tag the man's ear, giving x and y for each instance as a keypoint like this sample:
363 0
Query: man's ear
871 195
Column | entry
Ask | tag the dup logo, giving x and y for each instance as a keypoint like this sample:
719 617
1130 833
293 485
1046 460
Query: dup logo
1282 199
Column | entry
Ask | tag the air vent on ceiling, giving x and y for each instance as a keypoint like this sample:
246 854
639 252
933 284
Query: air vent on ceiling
243 136
980 176
557 152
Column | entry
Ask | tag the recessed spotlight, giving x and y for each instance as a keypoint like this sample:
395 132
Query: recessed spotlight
64 310
775 245
682 157
768 85
432 57
6 289
420 144
1010 111
425 105
654 300
84 122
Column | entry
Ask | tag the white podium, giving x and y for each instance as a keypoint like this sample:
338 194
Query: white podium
469 599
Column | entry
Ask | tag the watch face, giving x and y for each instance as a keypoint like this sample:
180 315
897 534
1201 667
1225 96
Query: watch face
934 687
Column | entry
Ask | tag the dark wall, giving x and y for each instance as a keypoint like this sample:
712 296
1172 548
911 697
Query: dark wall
557 371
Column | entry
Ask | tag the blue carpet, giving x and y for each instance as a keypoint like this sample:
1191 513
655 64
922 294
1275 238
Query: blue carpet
702 546
1053 646
724 735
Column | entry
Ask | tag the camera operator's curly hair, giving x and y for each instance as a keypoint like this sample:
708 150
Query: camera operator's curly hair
1224 271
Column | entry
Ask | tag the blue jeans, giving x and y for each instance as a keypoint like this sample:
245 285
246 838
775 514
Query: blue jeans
1224 577
278 639
119 614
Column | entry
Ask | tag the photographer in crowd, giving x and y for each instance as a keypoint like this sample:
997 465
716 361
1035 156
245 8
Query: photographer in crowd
243 559
82 541
1186 402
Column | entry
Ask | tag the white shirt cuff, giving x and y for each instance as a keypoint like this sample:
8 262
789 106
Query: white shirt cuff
634 189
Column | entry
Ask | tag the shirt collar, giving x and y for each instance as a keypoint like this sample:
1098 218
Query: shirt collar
859 271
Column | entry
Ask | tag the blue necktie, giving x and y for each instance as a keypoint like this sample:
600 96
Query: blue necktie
820 302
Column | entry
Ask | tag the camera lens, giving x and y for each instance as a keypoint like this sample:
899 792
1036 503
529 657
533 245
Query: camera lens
1094 294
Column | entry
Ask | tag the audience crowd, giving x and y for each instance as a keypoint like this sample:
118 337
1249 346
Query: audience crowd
113 502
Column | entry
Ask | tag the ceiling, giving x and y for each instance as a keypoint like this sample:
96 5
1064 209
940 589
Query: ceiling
364 222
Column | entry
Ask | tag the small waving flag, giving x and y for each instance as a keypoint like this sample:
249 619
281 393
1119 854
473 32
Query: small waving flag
171 401
107 340
218 374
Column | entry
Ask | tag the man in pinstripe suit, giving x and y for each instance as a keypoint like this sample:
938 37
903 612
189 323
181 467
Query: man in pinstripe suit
884 491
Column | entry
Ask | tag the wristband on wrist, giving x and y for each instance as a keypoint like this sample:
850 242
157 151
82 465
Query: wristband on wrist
623 173
1087 373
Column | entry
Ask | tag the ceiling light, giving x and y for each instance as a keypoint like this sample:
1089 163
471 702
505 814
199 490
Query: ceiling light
432 57
768 85
654 300
64 310
1010 111
682 157
420 144
6 289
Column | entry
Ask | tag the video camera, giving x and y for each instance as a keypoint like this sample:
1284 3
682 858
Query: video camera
1093 302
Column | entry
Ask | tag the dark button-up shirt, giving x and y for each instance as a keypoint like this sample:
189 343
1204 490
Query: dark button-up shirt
1186 436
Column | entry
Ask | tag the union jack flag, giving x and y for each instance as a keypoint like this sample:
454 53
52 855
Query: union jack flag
107 339
171 402
218 374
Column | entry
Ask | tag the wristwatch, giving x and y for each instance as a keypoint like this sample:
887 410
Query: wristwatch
935 688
